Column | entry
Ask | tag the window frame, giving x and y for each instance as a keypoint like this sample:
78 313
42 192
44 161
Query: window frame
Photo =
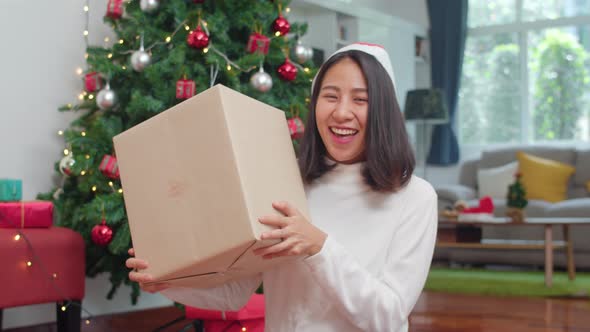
521 29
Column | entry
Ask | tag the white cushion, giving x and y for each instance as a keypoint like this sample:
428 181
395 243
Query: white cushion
494 182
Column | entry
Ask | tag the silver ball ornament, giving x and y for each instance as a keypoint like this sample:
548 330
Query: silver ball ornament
303 53
149 6
140 59
106 98
261 81
66 164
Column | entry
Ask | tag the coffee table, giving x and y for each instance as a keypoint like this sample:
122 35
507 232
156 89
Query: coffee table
547 244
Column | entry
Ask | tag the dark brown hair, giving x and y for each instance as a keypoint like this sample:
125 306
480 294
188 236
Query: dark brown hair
389 157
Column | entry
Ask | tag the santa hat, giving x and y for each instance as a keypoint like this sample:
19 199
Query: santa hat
377 51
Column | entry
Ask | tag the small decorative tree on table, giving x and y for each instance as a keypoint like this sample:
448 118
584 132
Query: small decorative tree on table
516 200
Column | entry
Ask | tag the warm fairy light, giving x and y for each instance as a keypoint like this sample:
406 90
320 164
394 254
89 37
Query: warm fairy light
121 41
278 33
287 9
307 100
90 97
168 39
85 55
137 37
79 71
120 191
69 105
84 93
29 263
55 276
186 27
85 32
311 80
204 23
66 152
93 188
83 173
86 8
306 70
228 67
123 67
110 55
83 133
106 39
205 50
63 308
17 237
60 132
244 328
88 322
111 183
81 96
87 156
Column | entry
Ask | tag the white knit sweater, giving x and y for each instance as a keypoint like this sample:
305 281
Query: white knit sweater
369 273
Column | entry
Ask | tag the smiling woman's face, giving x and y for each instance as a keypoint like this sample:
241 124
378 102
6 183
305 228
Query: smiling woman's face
341 112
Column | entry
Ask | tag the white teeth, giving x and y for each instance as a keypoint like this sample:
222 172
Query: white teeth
339 131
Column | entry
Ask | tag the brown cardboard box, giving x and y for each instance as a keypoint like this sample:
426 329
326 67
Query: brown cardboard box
197 177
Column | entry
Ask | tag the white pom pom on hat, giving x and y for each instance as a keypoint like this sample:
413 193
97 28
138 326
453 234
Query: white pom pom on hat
377 51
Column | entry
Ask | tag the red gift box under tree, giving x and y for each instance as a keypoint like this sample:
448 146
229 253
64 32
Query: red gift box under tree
34 214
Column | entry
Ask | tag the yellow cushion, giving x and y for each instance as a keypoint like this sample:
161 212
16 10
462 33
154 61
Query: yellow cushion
544 178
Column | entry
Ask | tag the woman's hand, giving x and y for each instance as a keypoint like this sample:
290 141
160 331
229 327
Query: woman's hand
142 278
298 236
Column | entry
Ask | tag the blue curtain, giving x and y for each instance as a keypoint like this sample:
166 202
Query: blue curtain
448 30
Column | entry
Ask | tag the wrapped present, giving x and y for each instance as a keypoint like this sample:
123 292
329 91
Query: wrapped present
115 9
10 190
34 214
250 318
258 43
185 89
92 82
296 127
108 166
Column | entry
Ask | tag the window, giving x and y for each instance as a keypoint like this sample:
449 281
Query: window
526 72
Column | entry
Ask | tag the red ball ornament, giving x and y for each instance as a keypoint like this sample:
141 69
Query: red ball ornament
198 38
287 70
281 25
102 234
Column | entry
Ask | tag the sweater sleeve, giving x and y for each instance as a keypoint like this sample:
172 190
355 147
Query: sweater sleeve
231 296
382 302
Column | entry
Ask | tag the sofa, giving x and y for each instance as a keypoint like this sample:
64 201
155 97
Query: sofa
576 204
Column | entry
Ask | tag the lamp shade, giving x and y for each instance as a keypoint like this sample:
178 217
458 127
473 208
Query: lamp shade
426 105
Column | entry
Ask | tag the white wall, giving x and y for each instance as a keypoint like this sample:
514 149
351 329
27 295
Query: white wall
42 47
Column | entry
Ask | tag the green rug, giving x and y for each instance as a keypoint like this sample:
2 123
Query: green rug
506 283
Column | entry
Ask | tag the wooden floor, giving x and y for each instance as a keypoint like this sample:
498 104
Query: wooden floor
436 312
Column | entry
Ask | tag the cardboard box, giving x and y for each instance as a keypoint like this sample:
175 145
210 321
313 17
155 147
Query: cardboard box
195 180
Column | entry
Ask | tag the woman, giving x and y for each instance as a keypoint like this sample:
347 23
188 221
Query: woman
369 244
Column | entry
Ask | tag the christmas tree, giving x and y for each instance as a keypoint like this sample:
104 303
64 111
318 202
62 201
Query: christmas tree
516 197
166 52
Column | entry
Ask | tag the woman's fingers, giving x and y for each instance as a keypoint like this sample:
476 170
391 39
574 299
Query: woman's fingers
276 221
271 251
136 263
140 277
131 252
286 208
